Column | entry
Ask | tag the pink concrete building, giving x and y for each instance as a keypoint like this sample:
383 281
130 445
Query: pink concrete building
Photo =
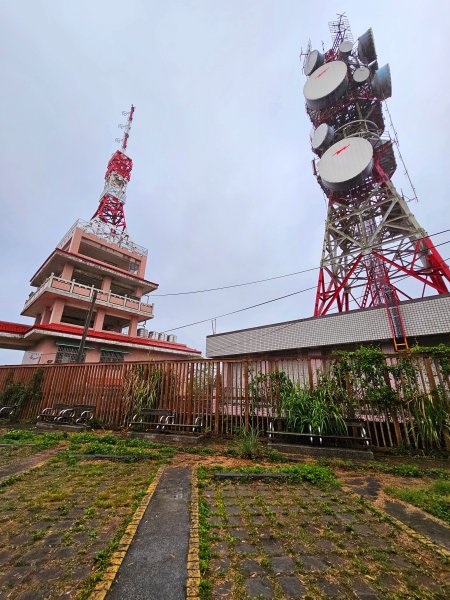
95 269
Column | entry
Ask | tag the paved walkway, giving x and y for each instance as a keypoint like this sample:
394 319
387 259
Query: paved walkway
155 565
31 462
370 488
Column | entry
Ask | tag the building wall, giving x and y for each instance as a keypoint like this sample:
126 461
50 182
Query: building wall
421 318
44 352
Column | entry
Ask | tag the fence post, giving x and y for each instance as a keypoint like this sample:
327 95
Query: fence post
218 399
246 395
190 394
310 375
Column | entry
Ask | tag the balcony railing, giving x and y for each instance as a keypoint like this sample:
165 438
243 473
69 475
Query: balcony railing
90 227
77 290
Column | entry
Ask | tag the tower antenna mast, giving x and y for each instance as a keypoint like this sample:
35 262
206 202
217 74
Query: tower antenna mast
126 128
372 240
108 221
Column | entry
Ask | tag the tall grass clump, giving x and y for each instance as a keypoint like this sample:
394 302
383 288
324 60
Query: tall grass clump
322 408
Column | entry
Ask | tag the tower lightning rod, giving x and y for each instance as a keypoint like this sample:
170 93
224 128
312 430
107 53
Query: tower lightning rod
127 127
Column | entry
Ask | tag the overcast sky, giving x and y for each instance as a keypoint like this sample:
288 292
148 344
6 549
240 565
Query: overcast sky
222 190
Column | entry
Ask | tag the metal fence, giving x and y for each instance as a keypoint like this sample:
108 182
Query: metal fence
222 392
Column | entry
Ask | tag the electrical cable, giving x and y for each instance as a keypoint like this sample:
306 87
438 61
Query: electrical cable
272 300
271 330
241 309
236 285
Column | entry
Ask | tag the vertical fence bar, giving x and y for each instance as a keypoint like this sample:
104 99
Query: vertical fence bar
218 399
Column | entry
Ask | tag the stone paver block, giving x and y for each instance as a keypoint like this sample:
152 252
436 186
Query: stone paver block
233 520
348 518
254 510
337 561
424 582
241 534
245 548
324 546
388 582
259 520
362 529
67 553
223 590
292 587
330 589
363 591
313 563
221 549
251 567
21 539
283 564
233 509
220 565
245 490
259 588
271 547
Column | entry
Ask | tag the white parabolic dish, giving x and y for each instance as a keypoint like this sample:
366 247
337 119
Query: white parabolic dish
322 136
327 83
346 163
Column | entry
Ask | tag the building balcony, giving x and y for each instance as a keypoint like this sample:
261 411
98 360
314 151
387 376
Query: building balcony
80 294
94 228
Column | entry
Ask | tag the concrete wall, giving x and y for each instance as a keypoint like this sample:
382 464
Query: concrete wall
424 317
44 352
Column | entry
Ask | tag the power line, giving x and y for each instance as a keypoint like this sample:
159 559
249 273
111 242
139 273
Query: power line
271 330
237 285
276 299
240 309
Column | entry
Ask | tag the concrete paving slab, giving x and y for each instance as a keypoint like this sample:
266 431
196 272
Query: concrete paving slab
155 566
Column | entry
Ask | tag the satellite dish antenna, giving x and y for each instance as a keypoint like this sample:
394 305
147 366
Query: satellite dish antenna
327 84
346 163
366 47
322 137
382 83
361 75
313 61
345 49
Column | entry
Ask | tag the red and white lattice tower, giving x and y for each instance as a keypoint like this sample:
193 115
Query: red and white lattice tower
108 220
373 245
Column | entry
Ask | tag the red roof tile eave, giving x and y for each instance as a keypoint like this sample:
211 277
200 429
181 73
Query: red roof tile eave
18 328
8 327
96 262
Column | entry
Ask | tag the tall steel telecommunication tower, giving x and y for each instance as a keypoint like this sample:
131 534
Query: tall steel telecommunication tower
373 244
108 220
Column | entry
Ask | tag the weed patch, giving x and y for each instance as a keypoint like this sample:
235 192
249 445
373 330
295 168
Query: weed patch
41 441
315 474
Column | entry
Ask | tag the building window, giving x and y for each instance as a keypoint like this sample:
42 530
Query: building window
112 356
68 354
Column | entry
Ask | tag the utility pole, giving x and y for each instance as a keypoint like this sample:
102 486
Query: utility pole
79 357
